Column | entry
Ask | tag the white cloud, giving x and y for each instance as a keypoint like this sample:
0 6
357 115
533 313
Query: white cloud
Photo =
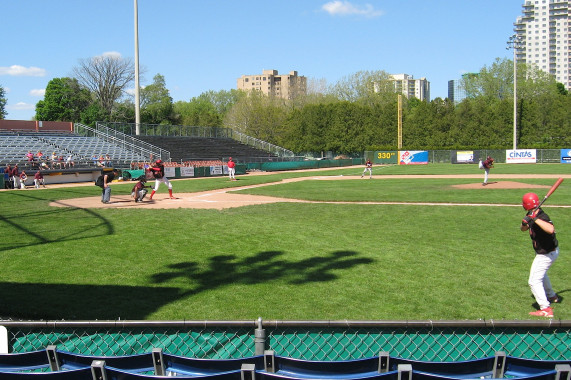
38 92
112 54
346 8
17 70
21 106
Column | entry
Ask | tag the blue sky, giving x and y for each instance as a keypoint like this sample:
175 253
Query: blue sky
202 45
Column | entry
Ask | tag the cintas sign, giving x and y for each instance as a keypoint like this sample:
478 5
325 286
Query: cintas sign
521 156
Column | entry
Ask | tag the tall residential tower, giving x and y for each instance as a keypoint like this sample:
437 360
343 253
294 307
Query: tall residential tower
544 34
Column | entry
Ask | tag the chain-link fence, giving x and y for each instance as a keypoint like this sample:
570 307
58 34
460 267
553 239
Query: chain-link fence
307 340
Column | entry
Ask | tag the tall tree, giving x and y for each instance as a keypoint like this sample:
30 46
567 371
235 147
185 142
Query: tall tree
64 100
156 102
3 101
107 77
363 85
198 112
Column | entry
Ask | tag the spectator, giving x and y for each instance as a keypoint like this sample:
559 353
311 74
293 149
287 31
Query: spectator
69 161
108 162
54 160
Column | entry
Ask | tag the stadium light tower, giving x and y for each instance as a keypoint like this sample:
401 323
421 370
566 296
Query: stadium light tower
137 87
514 43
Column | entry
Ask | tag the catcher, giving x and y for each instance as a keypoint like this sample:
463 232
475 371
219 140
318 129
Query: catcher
140 189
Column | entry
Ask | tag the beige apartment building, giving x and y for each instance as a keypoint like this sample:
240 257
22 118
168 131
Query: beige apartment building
273 84
410 87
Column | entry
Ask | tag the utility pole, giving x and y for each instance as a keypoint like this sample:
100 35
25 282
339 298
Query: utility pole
137 87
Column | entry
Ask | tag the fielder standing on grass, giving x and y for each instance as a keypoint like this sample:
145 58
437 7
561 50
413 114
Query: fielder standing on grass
158 171
542 233
369 167
231 169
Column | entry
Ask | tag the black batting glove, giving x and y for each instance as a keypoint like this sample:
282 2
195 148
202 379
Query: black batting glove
527 221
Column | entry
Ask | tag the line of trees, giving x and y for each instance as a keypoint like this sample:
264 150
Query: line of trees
357 113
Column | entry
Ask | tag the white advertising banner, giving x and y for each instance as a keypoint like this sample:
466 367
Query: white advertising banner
216 170
521 156
187 171
169 172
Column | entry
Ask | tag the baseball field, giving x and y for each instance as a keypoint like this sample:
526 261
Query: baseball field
413 243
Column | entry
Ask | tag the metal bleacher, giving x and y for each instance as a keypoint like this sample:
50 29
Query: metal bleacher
14 146
55 364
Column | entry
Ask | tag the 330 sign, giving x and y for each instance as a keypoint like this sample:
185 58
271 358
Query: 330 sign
386 157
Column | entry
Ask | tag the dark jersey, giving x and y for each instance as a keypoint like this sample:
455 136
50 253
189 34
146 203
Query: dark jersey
488 163
138 186
542 241
158 171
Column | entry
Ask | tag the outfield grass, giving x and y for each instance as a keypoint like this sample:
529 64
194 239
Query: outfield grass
292 261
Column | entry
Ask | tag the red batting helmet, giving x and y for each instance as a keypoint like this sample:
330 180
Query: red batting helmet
159 161
530 201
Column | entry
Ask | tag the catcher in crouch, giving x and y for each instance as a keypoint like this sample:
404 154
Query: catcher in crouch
158 171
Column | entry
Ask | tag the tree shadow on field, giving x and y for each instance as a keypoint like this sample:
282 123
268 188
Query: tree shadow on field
112 302
223 270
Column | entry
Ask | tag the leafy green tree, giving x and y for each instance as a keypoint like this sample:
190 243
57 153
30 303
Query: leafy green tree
156 102
223 100
259 116
198 112
363 85
3 101
64 100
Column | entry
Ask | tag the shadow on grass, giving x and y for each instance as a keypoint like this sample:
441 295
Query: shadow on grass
81 302
112 302
266 266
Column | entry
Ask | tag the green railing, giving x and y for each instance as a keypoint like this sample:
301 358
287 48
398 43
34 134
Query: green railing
308 340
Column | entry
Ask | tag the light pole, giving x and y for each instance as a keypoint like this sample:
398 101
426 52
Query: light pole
514 43
137 87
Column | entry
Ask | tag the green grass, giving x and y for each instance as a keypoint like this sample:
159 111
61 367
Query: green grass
292 261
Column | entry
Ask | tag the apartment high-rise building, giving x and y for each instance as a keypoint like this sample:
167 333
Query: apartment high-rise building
544 34
456 88
273 84
410 87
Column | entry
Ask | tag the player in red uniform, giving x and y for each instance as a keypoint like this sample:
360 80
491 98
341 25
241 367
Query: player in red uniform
158 171
231 169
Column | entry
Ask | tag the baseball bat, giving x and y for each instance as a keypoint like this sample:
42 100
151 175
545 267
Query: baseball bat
553 188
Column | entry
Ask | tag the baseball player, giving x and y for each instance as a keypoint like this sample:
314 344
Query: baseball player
158 171
369 167
140 190
546 246
23 179
487 164
39 179
231 169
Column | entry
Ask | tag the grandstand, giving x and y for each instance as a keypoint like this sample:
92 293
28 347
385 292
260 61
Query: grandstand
184 148
56 364
15 145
